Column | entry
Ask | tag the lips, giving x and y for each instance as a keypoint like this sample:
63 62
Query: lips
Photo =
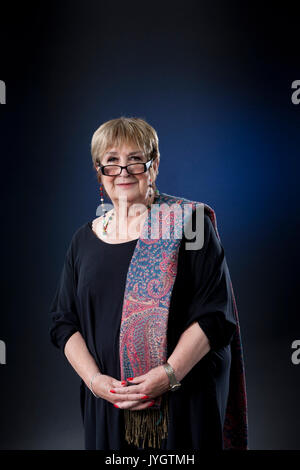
125 184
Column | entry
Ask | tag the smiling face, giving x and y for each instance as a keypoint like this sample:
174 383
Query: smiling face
135 187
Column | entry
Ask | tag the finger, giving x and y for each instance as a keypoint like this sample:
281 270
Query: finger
129 404
126 389
119 383
126 404
136 380
131 396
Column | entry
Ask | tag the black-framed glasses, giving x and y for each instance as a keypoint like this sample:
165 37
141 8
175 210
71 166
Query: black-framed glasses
132 168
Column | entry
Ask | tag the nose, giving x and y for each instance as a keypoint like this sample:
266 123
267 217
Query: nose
125 169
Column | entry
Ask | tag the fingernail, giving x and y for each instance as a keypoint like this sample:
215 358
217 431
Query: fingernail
130 378
123 382
146 396
151 404
112 391
116 405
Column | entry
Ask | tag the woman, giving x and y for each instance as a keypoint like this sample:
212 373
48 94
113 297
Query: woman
150 326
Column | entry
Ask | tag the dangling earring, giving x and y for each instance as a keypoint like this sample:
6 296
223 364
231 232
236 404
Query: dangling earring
150 192
104 211
102 199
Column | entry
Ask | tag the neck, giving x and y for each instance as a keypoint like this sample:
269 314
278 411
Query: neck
127 221
131 210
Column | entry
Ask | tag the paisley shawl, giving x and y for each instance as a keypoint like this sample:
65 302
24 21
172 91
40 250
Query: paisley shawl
143 330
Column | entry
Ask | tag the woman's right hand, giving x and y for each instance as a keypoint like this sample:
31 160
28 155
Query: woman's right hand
102 384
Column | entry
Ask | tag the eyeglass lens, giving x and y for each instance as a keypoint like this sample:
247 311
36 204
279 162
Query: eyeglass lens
134 169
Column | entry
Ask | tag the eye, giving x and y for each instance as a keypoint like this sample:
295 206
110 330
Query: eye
137 157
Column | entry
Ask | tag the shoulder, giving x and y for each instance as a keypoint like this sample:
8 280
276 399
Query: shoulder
210 223
78 243
79 236
204 216
81 233
204 236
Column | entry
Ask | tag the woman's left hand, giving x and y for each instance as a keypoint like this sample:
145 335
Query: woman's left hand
152 384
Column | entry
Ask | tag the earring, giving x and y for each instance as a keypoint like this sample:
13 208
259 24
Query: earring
150 185
102 199
104 212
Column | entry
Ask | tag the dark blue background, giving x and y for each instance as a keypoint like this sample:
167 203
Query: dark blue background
214 79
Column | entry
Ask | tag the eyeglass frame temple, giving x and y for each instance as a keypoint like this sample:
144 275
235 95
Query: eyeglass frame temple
120 166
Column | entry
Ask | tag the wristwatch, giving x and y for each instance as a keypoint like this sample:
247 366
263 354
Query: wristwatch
174 384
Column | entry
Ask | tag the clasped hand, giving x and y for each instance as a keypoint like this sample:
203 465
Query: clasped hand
150 385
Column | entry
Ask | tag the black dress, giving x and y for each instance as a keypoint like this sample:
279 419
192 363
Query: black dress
89 299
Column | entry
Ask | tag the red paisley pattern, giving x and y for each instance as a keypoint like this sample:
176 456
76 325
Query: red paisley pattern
143 329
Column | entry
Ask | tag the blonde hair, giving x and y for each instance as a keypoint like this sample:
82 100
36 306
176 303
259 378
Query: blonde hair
124 130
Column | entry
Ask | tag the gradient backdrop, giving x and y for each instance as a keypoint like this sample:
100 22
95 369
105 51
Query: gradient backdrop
214 79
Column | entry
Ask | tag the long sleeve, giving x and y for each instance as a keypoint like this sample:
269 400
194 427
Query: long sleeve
212 303
63 309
